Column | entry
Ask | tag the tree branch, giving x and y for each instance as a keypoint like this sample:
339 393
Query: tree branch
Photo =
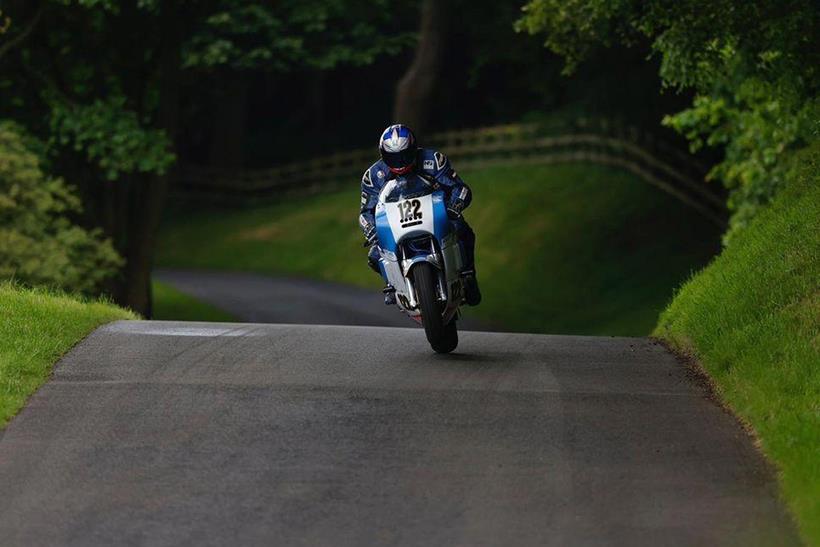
13 42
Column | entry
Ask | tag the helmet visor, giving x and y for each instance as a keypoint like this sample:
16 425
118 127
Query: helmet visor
401 159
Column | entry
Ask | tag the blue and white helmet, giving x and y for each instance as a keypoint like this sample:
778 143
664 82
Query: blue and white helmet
398 148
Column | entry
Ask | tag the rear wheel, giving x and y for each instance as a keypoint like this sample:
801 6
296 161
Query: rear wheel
443 338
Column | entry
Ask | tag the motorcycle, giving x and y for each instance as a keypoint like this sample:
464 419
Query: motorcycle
420 256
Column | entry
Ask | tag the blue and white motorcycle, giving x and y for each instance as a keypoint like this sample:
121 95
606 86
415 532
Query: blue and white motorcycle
421 256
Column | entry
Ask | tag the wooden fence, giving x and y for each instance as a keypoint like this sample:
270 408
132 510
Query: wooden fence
657 163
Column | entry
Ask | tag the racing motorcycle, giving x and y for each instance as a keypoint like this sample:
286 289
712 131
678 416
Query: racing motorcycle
421 256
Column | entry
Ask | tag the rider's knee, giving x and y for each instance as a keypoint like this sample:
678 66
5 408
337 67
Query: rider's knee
373 259
465 232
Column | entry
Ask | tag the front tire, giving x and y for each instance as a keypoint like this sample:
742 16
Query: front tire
442 338
450 339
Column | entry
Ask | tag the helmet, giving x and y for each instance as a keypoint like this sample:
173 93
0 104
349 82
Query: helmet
398 148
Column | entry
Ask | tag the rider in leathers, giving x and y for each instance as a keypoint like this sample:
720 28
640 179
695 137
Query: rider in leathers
400 155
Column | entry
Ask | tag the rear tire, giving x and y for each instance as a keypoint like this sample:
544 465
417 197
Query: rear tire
442 338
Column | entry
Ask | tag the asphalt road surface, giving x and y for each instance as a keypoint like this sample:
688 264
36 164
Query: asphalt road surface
261 299
164 433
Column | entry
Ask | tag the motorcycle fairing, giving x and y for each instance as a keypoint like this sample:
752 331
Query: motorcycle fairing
410 233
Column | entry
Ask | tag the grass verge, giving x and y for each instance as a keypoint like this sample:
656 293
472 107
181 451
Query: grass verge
38 327
561 248
752 318
171 304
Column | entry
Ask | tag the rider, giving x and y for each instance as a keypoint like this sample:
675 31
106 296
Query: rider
400 155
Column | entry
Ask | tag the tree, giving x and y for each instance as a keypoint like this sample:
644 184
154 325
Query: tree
753 65
101 82
414 91
103 112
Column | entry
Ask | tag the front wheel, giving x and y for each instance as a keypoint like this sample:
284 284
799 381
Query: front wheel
443 338
449 341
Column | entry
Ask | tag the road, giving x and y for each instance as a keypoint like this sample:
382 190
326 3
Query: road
262 299
164 433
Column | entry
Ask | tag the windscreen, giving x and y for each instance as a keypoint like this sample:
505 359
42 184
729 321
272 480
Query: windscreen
406 188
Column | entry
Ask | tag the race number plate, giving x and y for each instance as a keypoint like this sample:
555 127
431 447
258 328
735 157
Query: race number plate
410 213
414 214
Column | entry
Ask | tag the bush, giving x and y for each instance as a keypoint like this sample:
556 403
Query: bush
39 244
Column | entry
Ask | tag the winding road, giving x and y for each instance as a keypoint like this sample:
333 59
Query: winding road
261 299
171 433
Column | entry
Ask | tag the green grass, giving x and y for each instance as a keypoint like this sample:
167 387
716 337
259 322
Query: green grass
171 304
37 328
561 249
752 318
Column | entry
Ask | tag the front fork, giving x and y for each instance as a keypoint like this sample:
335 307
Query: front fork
437 261
442 290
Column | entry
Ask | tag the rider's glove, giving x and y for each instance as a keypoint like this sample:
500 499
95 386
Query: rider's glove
459 199
454 208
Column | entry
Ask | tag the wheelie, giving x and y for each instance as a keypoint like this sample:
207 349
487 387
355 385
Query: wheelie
412 205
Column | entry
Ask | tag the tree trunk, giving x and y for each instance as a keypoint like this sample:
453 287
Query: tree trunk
414 91
148 197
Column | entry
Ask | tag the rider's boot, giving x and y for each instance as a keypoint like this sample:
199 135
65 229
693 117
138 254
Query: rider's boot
373 262
389 295
472 294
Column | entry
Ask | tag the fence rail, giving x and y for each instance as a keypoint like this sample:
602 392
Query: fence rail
654 161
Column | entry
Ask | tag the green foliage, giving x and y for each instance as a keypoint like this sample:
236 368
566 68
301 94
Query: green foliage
112 6
753 65
111 136
280 36
572 28
109 5
756 125
39 245
752 318
38 327
537 235
243 37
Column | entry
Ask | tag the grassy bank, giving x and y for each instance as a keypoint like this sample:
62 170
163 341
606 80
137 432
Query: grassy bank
38 327
561 249
752 318
171 304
